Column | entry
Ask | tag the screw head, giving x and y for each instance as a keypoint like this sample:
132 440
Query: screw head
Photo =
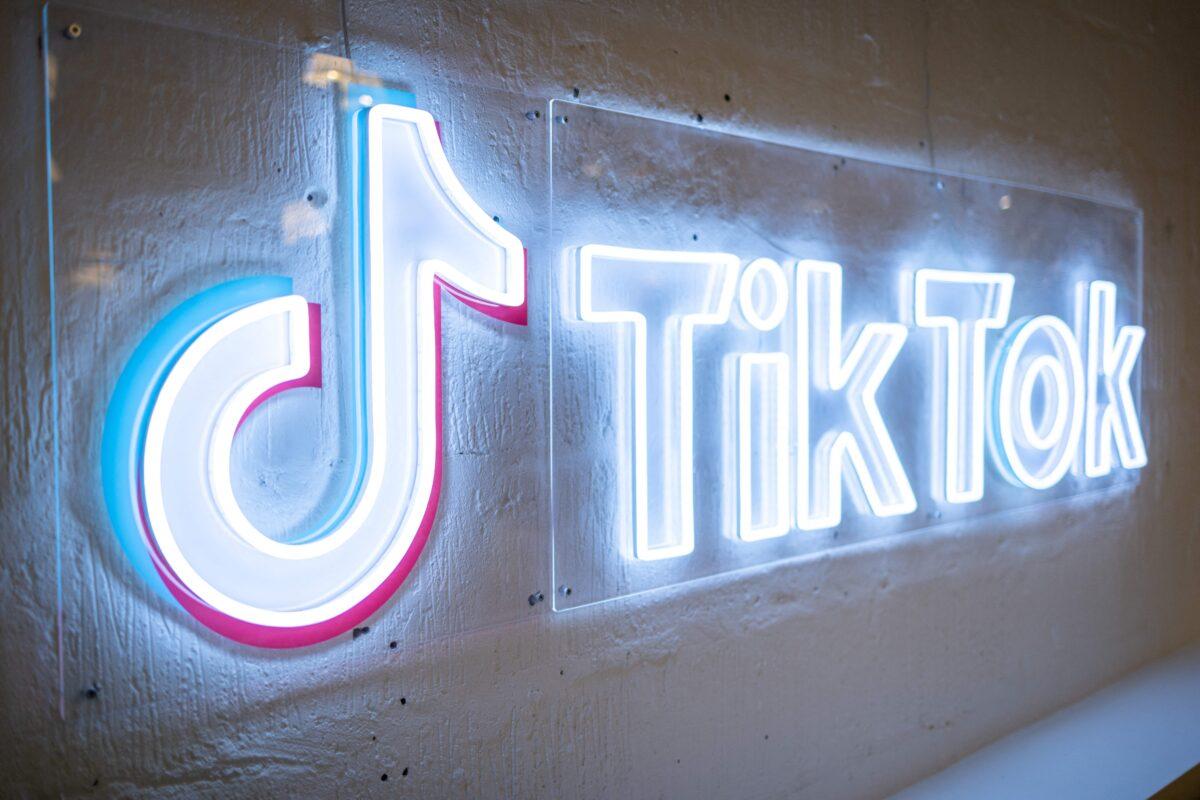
73 31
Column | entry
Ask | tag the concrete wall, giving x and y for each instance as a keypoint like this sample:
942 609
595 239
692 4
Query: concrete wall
845 676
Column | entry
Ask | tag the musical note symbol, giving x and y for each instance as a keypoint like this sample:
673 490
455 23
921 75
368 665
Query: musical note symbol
205 367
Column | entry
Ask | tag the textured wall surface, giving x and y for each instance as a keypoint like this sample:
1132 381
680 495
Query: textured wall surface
850 675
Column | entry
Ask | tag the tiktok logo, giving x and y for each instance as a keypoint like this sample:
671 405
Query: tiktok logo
208 364
806 423
747 399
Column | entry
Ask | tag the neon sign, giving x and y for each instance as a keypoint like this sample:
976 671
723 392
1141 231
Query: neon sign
1033 414
738 397
206 367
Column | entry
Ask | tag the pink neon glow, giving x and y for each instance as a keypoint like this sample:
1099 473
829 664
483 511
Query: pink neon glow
273 637
312 379
517 315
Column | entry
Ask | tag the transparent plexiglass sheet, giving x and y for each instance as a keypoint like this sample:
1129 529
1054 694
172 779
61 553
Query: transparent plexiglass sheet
182 161
701 397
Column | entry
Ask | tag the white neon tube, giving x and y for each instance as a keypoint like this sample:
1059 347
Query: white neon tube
1034 453
660 296
861 438
1111 415
962 307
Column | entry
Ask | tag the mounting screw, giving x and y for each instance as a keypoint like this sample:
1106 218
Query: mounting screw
565 590
73 31
317 198
536 598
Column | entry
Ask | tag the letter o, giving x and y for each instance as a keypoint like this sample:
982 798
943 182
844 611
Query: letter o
1035 448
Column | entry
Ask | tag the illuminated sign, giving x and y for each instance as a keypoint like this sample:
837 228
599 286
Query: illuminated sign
1041 405
726 399
206 367
760 352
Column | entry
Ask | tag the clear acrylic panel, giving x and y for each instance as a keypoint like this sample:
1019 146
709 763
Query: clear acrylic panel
723 407
182 161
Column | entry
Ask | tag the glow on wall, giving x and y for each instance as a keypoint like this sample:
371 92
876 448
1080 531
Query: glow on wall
208 365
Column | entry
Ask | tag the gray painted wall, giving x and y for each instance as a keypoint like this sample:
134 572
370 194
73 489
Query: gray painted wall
850 675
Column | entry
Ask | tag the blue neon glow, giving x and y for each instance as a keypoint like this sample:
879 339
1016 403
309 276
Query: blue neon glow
133 396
